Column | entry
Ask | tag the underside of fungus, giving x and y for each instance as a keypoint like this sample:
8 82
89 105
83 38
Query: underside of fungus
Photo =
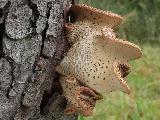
97 61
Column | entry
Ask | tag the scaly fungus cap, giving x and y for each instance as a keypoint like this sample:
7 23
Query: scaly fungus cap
90 21
100 63
83 12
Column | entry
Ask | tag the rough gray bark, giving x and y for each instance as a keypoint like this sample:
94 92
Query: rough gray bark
32 43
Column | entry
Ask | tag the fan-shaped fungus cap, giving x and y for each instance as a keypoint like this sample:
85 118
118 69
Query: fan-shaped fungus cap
100 63
90 22
125 50
83 12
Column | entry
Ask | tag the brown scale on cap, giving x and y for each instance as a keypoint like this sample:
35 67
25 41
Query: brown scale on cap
97 60
80 99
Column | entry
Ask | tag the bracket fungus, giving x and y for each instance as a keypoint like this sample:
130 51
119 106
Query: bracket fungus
97 61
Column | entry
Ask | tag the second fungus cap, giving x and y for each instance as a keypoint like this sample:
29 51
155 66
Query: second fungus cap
100 17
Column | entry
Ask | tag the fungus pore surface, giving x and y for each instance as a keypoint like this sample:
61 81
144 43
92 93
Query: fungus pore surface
97 61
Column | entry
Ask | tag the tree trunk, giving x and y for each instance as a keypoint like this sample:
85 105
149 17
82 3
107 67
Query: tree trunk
32 43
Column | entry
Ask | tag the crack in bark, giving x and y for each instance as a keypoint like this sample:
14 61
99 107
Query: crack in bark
3 14
5 9
49 5
12 64
2 27
36 14
75 1
48 96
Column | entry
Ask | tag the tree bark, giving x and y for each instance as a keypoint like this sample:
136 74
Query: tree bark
32 43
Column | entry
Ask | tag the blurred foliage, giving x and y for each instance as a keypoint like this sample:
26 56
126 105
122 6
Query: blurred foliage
141 18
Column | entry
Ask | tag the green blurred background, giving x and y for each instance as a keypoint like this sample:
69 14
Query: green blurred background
141 25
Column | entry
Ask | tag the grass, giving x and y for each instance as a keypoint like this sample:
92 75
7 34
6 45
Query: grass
144 101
